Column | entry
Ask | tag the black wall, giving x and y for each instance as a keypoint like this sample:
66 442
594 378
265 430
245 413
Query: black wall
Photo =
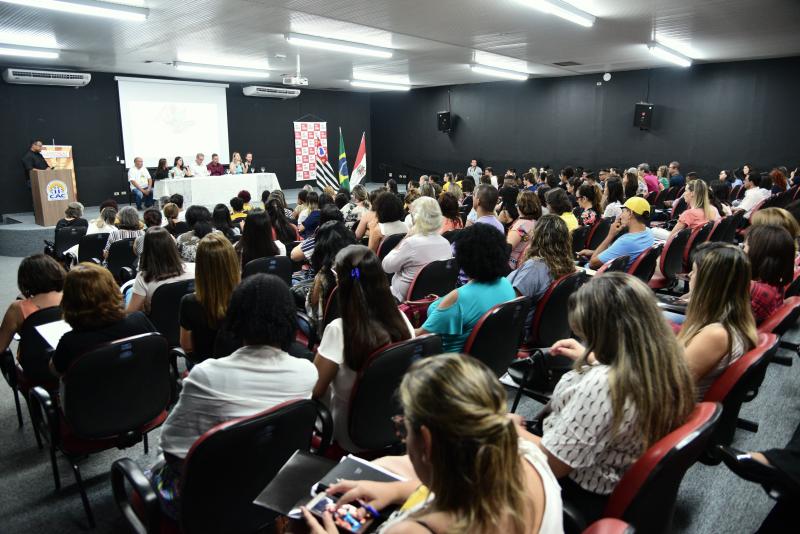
88 119
708 117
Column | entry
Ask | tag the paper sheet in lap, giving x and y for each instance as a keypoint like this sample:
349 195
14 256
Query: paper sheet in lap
52 332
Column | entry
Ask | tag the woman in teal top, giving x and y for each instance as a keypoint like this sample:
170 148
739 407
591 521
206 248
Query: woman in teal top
236 166
482 254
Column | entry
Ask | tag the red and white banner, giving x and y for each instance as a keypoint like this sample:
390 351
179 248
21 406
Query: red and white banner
304 154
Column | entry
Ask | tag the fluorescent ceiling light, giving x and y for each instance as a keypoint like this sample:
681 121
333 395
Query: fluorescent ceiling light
499 73
380 86
396 79
28 51
221 70
668 54
562 9
335 45
87 7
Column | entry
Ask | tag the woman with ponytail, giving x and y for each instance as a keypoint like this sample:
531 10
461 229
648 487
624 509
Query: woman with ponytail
700 210
467 469
369 320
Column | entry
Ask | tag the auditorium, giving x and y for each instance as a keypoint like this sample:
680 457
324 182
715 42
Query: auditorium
400 266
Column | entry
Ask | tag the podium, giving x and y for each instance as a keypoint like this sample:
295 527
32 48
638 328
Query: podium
52 190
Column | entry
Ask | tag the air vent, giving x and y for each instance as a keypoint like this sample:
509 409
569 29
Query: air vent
566 63
270 92
45 77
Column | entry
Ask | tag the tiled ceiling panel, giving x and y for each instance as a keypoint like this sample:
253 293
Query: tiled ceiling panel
435 40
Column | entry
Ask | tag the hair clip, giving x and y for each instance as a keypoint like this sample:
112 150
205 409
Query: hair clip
355 273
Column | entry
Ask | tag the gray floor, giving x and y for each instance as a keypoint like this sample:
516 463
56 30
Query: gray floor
711 499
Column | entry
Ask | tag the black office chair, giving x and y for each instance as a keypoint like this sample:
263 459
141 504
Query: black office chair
436 278
280 266
225 470
111 397
65 239
388 244
644 266
671 261
91 247
580 236
165 306
497 335
122 260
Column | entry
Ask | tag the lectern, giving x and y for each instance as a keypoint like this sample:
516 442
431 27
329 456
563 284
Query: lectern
52 190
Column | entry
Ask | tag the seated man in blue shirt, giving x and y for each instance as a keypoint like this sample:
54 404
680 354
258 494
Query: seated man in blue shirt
634 217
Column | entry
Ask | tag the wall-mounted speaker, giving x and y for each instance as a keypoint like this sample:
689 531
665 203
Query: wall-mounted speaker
444 122
643 115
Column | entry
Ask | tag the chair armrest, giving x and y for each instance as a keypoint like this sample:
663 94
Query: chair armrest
306 326
44 414
326 426
574 520
96 261
124 470
8 368
126 274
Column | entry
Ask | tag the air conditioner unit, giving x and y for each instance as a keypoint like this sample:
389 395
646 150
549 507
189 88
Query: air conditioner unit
46 77
270 92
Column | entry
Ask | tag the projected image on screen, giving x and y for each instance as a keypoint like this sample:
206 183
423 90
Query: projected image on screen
164 120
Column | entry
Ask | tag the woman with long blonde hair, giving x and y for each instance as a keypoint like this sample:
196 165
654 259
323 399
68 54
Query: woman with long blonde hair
719 326
469 471
202 312
699 210
236 166
630 387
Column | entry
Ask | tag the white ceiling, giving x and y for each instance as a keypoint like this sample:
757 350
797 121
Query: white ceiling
435 40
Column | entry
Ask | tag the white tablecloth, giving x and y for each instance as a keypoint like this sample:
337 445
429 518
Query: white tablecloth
211 190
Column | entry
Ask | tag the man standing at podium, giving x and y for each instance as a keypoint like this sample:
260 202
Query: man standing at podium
33 159
141 184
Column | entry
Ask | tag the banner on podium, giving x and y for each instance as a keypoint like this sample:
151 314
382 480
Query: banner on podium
59 157
304 155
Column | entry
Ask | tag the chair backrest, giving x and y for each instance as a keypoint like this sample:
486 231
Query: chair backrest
66 238
388 243
579 237
229 465
550 316
678 207
117 388
722 229
783 318
733 386
598 233
373 401
165 306
34 351
644 266
91 247
645 496
497 335
451 235
331 310
671 193
672 255
699 236
436 278
121 254
280 266
618 264
651 197
734 194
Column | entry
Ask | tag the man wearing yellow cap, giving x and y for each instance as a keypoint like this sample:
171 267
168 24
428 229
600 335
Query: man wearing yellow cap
635 215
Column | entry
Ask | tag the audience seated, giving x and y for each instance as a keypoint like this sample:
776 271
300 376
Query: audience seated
282 229
559 204
256 377
170 220
40 280
717 331
370 219
221 218
613 198
281 198
451 214
200 225
754 194
257 241
519 234
699 212
771 250
630 387
308 224
506 209
482 254
92 305
422 245
177 199
358 206
483 210
105 223
152 219
466 469
304 251
73 217
237 211
777 217
587 202
388 219
201 313
638 238
369 320
332 236
128 227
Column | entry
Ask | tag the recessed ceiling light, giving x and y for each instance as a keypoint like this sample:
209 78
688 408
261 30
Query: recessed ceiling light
28 51
380 86
336 45
499 73
668 54
221 70
87 7
562 9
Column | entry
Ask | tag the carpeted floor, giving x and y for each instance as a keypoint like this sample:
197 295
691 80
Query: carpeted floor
711 499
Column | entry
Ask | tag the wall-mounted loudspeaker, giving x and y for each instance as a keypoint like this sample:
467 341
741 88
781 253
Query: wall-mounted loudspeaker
643 115
443 121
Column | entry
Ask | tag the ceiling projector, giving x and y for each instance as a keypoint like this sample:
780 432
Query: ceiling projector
295 80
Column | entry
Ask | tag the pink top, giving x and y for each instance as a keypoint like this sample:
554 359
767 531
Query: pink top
695 217
524 227
450 224
652 182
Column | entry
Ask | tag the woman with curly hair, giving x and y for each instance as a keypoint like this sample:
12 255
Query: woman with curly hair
482 254
92 305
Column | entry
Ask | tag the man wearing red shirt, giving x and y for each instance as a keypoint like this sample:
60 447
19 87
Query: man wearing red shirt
215 168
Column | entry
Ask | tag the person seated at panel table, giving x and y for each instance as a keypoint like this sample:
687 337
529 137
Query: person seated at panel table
196 167
179 170
141 184
249 164
236 166
215 168
162 171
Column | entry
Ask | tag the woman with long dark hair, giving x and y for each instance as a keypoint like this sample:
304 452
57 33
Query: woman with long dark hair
200 223
613 198
178 170
256 241
369 320
159 264
223 223
162 171
283 230
331 237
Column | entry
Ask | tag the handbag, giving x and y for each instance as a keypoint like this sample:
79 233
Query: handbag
541 372
417 310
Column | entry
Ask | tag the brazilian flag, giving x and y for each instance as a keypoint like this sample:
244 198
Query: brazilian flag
344 175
